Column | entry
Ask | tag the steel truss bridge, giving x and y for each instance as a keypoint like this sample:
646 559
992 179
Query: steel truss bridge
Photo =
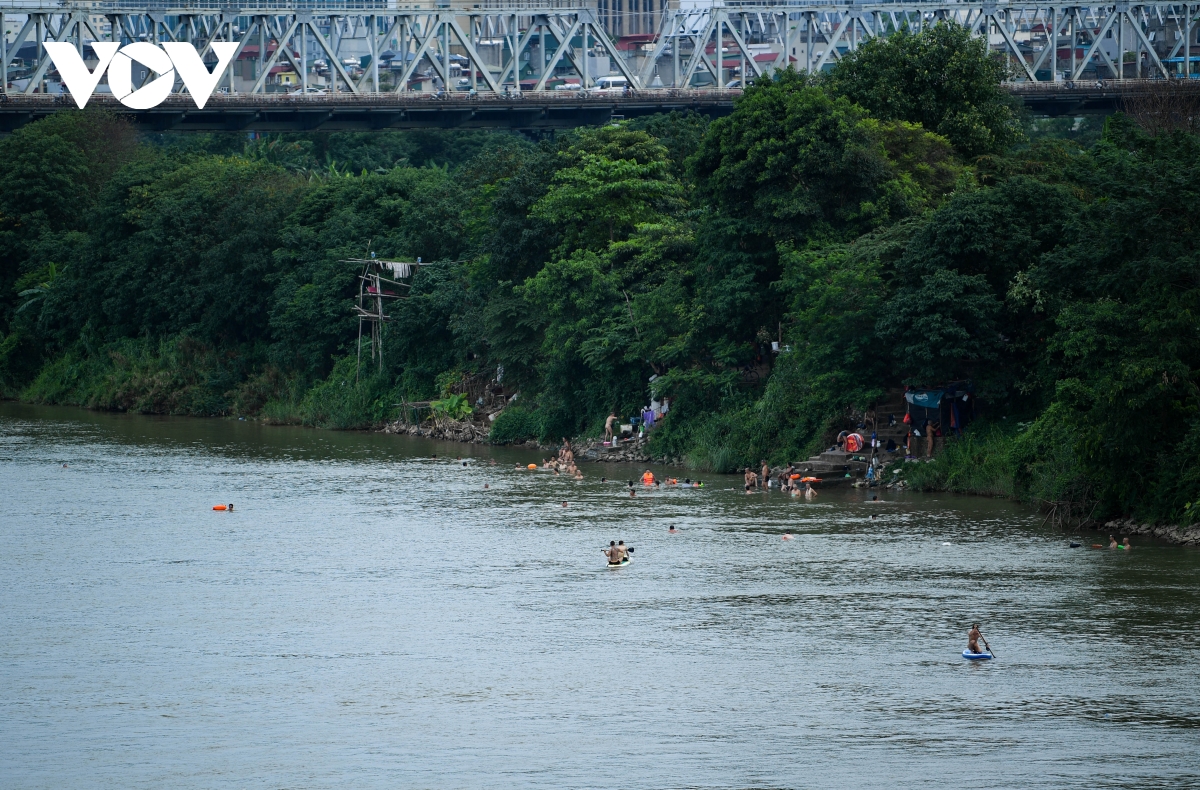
499 61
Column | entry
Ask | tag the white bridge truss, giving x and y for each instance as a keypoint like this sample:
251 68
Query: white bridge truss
510 46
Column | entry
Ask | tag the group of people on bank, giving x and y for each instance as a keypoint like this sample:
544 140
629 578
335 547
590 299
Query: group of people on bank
788 480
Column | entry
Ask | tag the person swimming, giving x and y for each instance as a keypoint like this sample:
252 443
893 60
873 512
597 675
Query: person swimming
564 504
787 536
632 493
672 530
485 485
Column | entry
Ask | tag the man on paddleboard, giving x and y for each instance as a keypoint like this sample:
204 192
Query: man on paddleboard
616 552
973 637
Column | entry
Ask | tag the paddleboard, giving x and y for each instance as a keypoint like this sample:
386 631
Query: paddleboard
621 564
967 654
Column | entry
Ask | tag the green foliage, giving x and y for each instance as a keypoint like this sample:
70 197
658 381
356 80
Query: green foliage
943 78
178 375
344 401
453 407
405 213
515 425
982 462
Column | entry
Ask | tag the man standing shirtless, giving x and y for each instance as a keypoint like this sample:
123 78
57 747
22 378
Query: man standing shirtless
608 426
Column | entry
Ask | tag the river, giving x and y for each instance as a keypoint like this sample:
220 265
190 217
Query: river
369 616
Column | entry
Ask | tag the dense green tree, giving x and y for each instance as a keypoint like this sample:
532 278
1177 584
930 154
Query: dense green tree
943 78
406 213
794 163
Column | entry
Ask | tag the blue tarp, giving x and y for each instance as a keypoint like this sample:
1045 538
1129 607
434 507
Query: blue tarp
926 399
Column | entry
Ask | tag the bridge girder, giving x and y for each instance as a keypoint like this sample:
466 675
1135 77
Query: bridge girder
520 45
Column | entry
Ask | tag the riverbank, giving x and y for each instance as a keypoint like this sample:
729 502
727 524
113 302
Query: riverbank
938 474
1182 536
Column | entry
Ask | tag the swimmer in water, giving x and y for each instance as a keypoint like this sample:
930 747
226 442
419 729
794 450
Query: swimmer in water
1125 545
1112 542
787 536
564 504
230 507
809 493
672 530
604 480
632 493
485 485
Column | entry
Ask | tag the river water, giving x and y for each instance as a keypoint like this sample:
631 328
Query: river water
372 617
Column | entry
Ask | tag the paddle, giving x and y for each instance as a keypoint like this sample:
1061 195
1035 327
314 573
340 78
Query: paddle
989 647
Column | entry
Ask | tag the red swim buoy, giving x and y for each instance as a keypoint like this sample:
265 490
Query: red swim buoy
220 507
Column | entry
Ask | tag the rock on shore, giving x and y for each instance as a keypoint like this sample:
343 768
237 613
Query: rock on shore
1184 536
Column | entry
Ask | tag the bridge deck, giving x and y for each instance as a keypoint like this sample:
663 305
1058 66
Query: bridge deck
527 111
346 112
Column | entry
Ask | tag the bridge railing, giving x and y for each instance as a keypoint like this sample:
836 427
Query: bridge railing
332 101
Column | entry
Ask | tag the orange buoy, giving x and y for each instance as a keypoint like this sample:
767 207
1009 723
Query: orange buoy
220 507
795 477
532 466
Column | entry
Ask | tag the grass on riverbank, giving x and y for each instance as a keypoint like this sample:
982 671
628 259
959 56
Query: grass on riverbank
178 375
1037 462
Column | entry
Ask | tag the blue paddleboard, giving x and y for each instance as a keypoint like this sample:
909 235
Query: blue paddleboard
967 654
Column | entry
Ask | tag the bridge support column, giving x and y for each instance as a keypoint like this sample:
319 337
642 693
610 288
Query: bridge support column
808 48
1187 42
1054 20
